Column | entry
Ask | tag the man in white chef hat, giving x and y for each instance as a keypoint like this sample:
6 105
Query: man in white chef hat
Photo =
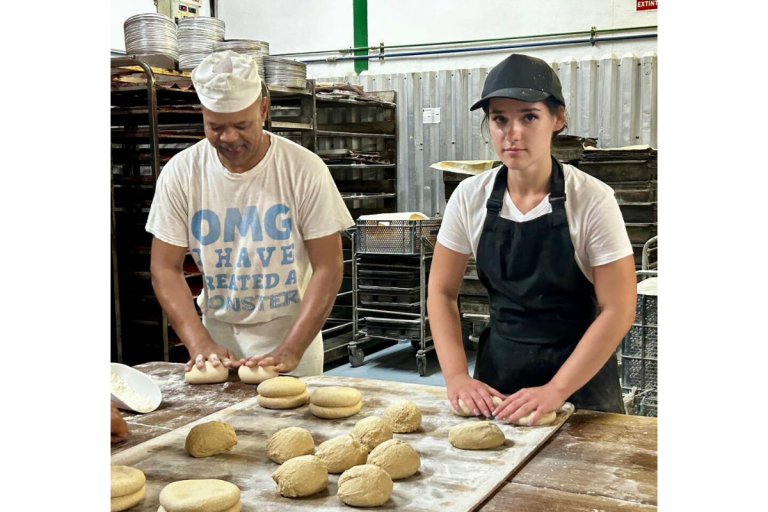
261 216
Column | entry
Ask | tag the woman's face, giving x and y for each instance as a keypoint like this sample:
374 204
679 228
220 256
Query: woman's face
521 131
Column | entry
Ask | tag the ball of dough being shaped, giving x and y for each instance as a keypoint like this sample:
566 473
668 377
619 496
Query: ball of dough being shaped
126 480
281 386
289 443
301 476
464 410
396 457
256 374
403 416
480 435
371 432
365 486
341 453
237 507
283 402
210 438
210 375
334 413
125 502
335 396
199 495
544 420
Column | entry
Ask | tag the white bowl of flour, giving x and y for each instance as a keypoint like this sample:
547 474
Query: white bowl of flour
133 390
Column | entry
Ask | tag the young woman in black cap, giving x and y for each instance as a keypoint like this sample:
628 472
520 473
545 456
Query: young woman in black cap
550 246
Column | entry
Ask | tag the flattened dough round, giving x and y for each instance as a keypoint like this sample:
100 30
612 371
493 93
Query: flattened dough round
464 410
333 413
283 402
288 443
371 432
126 502
396 457
335 396
341 453
302 476
365 486
544 420
480 435
281 386
236 508
210 375
207 495
256 375
126 480
403 416
210 438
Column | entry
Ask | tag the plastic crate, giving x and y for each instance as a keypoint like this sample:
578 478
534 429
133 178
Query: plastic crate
389 279
374 296
396 236
395 328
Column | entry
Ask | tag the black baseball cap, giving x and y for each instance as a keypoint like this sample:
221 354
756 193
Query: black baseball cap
521 77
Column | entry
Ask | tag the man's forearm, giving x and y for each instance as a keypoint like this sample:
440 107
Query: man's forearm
176 300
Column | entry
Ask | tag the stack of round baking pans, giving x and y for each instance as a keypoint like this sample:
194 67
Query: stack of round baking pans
256 49
151 34
197 38
285 72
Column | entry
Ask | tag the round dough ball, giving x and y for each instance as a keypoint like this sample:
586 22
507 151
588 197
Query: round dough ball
210 375
544 420
396 457
335 396
199 495
281 386
210 438
365 486
341 453
288 443
476 435
403 416
464 410
302 476
334 413
371 432
257 374
237 507
127 501
283 402
126 480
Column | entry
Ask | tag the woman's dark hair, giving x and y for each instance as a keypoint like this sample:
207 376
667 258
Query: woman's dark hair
554 108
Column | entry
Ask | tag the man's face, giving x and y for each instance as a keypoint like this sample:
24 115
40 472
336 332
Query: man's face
237 136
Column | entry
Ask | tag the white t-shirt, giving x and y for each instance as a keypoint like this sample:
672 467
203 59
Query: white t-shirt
594 219
246 231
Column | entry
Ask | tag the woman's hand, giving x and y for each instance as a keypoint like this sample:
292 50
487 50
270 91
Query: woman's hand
476 395
540 401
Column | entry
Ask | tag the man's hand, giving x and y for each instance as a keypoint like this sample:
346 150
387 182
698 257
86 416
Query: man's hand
119 428
476 395
284 359
540 401
209 351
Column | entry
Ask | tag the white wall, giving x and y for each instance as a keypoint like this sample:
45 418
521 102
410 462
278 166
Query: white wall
121 10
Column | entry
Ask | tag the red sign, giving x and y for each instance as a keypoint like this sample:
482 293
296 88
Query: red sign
646 5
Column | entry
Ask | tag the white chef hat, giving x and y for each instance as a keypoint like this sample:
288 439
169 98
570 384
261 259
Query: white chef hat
227 81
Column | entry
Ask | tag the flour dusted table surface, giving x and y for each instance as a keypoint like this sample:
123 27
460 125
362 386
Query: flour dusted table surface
595 461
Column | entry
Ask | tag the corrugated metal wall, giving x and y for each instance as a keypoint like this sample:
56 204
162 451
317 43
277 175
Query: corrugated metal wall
613 99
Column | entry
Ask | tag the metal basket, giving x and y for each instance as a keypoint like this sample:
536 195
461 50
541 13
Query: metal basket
396 236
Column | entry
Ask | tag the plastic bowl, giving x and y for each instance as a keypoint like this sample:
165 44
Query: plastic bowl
140 382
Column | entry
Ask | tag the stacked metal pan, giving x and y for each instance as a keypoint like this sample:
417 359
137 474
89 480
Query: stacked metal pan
256 49
285 72
151 34
197 39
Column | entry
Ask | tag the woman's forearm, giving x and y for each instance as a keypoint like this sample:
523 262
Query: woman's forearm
445 323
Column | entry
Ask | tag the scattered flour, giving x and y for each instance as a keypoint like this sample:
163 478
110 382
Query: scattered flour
129 396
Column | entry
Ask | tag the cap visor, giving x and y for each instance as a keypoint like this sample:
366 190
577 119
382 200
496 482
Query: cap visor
530 95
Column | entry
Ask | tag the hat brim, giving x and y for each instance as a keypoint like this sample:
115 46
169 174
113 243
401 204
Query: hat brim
515 93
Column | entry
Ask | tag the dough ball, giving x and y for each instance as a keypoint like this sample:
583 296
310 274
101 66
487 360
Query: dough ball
476 435
283 402
464 410
237 507
341 453
127 501
281 386
335 396
396 457
199 496
333 413
210 375
371 432
302 476
403 416
365 486
210 438
544 420
289 443
126 480
257 374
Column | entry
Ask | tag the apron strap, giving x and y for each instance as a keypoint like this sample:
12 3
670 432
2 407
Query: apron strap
495 202
557 195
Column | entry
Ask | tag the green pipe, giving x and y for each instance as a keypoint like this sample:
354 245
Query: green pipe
360 19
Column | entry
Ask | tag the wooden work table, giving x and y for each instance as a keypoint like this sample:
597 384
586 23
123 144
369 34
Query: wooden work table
595 461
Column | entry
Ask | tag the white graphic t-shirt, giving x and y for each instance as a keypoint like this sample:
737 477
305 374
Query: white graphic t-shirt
246 231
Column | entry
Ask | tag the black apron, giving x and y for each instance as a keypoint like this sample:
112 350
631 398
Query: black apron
541 304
